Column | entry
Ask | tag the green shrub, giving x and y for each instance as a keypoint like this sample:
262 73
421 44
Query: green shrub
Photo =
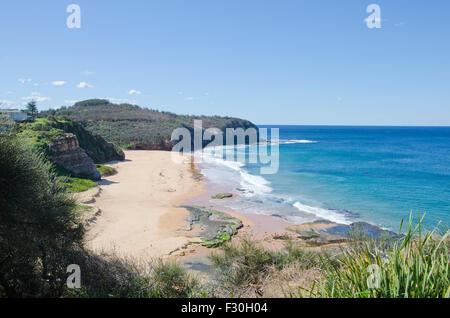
38 223
246 262
109 276
305 258
171 281
242 263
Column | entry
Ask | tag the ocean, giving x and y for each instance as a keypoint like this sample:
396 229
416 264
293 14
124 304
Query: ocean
344 174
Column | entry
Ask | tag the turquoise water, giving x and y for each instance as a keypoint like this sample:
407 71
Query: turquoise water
347 174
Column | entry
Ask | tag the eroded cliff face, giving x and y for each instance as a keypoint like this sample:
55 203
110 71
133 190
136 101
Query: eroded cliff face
66 152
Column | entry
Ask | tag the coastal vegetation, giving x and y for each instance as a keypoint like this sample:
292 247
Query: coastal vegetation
39 228
43 131
110 276
245 266
416 266
413 265
76 185
41 233
133 127
105 170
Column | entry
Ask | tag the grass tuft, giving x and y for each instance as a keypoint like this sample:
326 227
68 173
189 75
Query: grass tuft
415 266
106 171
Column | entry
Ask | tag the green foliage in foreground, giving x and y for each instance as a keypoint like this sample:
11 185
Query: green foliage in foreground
41 233
244 263
39 226
108 276
416 266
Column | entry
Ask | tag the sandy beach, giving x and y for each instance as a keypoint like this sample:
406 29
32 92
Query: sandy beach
140 213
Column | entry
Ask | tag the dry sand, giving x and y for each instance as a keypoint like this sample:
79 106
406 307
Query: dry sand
140 209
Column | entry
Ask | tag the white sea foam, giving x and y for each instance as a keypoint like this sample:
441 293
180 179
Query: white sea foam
297 141
253 184
322 213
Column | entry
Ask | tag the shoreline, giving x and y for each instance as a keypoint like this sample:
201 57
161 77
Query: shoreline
138 211
142 212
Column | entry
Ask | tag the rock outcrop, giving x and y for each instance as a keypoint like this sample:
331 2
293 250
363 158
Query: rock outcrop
66 153
324 232
216 227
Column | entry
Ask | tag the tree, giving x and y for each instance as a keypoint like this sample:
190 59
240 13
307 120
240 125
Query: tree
32 109
39 226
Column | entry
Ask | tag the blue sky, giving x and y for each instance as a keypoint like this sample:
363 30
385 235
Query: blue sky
272 62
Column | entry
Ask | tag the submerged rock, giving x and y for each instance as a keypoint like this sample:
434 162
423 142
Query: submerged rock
221 196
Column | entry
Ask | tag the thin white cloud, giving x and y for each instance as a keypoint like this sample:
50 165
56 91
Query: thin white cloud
134 92
69 101
24 80
59 83
37 97
84 85
121 100
189 98
87 73
206 94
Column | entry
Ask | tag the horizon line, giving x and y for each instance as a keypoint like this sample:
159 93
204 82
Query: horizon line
349 125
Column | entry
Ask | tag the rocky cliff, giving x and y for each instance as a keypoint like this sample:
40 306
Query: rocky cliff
95 146
66 153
